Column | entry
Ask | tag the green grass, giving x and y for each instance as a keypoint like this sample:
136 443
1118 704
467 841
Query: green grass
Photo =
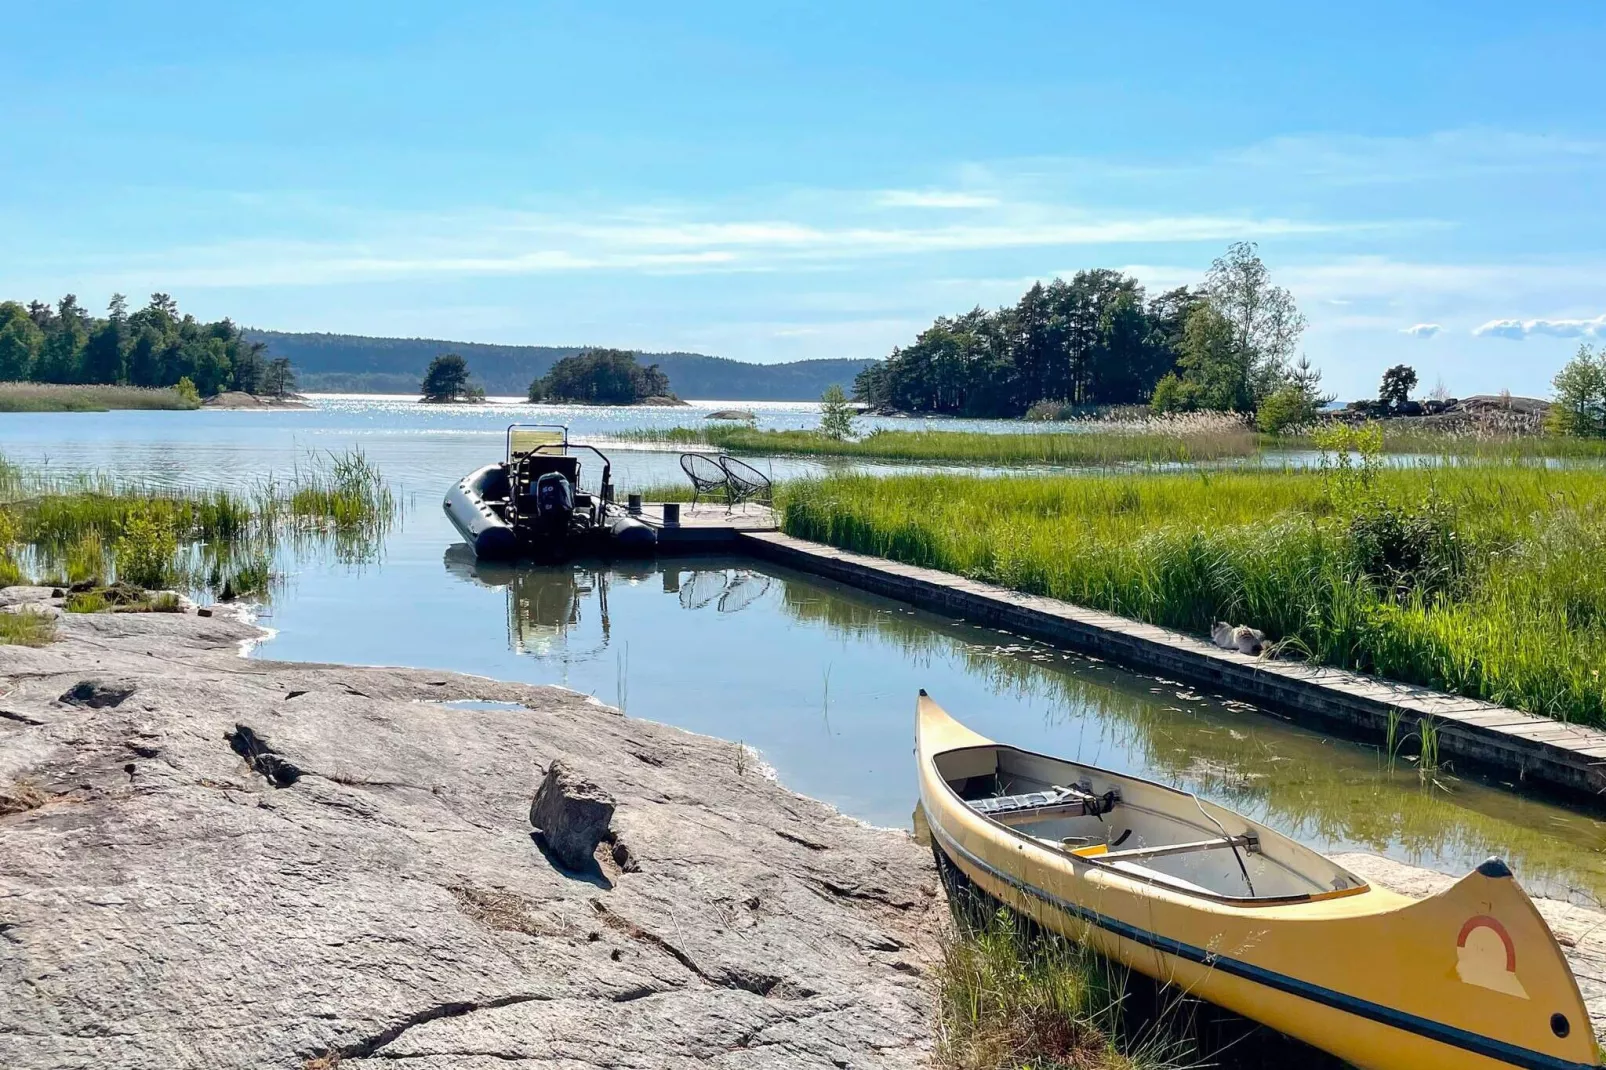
57 397
1009 996
1480 580
218 540
1191 438
26 627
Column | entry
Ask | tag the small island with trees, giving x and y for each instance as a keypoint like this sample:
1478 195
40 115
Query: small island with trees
446 381
603 377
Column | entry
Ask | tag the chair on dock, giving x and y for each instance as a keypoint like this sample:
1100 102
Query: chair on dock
744 483
707 476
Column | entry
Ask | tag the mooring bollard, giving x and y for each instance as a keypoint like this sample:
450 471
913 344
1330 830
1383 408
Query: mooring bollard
671 514
633 507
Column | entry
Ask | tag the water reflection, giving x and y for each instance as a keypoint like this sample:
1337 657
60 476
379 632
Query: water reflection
561 611
821 678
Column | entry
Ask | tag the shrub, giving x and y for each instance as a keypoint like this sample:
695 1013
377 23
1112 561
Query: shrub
185 389
146 549
1175 394
1287 408
836 414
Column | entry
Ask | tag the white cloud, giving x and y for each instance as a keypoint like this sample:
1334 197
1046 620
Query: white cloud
934 198
506 243
1569 328
1422 330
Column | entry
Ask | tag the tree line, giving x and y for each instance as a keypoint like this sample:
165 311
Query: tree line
1100 339
154 346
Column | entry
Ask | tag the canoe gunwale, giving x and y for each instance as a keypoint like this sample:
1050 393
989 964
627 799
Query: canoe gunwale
1427 1028
1249 902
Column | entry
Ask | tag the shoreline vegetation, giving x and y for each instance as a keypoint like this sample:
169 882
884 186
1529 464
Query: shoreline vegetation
107 539
89 397
1115 439
1167 439
1478 579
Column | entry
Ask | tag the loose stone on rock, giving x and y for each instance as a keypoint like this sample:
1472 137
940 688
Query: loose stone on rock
573 815
96 694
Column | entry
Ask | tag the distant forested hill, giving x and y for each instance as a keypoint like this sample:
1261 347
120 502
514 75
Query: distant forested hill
358 364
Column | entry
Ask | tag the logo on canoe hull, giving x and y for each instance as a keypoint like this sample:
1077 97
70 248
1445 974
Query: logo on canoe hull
1486 957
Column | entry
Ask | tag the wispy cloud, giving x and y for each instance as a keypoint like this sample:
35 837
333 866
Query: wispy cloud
1422 330
1563 328
499 243
934 198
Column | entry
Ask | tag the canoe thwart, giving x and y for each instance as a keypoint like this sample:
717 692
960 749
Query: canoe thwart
1249 842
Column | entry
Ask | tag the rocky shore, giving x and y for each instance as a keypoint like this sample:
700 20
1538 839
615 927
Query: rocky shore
239 399
209 861
212 861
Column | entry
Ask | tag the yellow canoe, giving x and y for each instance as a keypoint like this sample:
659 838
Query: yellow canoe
1235 913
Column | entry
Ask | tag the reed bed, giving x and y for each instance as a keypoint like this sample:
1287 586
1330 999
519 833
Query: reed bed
90 397
1481 580
1191 437
95 529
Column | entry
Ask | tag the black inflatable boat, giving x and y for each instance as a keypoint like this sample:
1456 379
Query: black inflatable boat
531 504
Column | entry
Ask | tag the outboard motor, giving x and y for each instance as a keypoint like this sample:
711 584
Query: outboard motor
554 502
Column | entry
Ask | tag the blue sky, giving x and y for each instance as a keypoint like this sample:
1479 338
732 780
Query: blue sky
779 181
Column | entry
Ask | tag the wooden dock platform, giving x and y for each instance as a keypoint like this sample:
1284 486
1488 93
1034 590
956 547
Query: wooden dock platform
707 526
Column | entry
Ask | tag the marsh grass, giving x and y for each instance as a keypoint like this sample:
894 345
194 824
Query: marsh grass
57 397
26 627
1190 437
1482 580
1010 995
219 540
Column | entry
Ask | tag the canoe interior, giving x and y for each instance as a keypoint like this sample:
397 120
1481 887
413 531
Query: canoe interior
1145 830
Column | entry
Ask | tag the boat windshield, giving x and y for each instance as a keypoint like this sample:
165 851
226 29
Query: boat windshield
525 439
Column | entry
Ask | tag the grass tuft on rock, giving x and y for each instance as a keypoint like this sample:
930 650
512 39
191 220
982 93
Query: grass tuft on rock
1011 997
26 627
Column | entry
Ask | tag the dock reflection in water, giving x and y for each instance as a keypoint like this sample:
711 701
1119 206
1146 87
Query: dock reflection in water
821 679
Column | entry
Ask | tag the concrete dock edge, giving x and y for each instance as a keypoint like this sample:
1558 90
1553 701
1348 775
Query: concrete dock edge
1524 747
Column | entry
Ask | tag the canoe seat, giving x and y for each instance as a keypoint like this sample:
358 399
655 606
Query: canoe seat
1011 809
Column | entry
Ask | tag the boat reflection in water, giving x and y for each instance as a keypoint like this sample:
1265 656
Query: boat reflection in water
560 612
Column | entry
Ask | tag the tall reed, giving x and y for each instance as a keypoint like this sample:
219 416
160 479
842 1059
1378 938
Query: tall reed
1483 580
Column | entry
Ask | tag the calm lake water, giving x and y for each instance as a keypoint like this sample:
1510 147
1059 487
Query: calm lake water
819 679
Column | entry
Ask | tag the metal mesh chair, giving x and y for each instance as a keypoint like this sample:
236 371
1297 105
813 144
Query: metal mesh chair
744 483
707 475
